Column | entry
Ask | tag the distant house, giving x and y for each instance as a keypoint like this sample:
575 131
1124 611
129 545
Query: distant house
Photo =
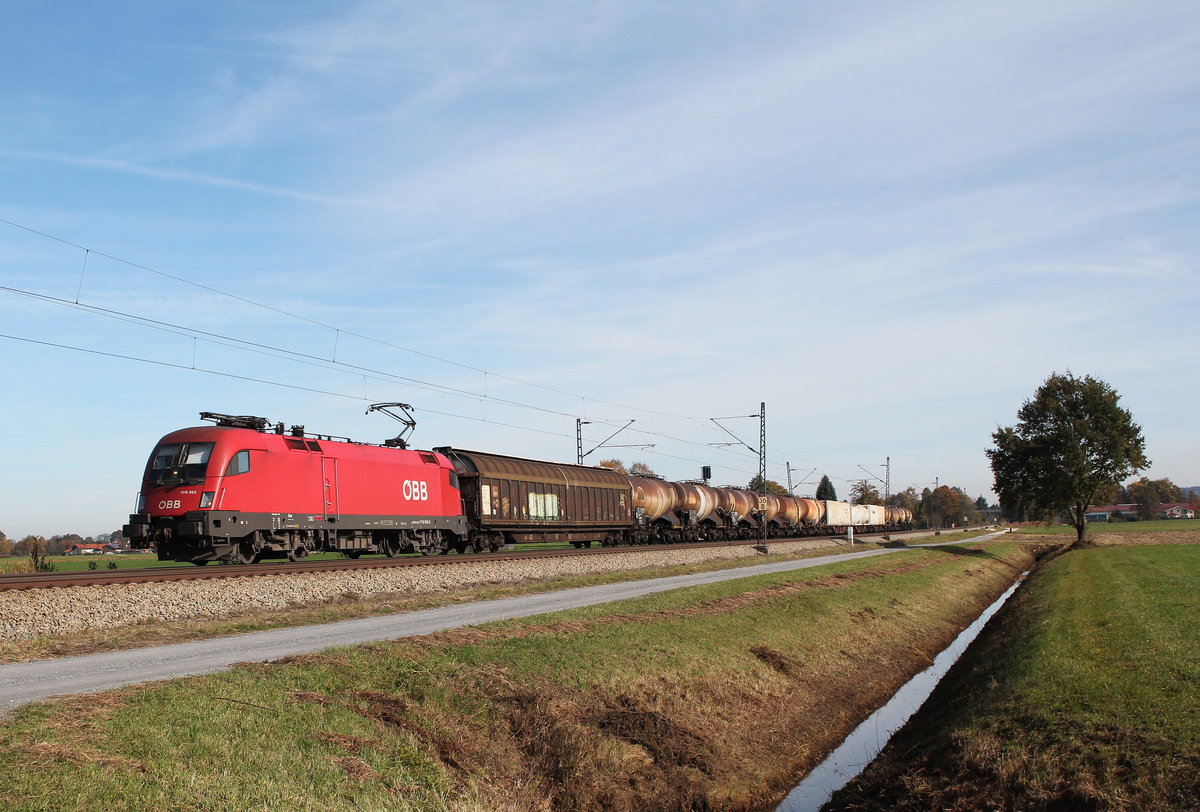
1104 513
1178 510
92 549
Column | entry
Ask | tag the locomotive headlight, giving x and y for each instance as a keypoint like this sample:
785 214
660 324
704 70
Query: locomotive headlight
206 498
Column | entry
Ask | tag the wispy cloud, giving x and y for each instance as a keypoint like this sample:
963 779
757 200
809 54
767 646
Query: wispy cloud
172 175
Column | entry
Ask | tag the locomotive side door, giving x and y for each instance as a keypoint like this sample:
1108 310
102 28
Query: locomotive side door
329 486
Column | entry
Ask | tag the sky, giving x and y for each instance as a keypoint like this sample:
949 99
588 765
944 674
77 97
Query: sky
889 222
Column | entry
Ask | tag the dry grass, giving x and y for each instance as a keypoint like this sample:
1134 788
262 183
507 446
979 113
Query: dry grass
713 697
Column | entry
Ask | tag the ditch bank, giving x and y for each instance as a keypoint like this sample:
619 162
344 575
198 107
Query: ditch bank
1080 694
715 697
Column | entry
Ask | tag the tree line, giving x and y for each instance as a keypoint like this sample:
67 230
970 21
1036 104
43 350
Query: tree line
943 506
53 545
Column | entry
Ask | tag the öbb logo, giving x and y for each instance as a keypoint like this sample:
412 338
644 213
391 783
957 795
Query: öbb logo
416 491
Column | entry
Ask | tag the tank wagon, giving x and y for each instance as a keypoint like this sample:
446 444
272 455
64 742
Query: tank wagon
245 489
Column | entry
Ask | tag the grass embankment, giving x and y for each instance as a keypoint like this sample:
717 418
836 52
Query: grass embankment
349 606
714 696
1084 694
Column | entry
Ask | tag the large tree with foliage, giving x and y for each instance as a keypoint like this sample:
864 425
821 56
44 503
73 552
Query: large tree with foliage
613 465
825 489
1071 441
756 485
641 469
864 493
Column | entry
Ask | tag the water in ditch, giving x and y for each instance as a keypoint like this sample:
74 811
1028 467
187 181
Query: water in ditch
865 742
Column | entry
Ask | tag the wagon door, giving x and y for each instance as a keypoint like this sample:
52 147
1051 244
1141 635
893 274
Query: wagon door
329 487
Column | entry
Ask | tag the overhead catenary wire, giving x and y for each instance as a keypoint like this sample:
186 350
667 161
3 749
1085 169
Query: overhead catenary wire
237 343
221 339
299 388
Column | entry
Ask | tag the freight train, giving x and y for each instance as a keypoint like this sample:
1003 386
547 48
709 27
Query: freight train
245 489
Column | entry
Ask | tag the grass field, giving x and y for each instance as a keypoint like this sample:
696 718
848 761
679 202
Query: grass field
1116 527
714 695
1083 696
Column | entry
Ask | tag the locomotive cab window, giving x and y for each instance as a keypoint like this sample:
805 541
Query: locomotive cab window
178 463
239 464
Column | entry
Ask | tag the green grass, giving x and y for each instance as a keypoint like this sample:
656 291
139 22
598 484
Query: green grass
1084 697
1116 527
637 704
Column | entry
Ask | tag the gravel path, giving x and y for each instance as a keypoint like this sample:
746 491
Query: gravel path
26 614
28 682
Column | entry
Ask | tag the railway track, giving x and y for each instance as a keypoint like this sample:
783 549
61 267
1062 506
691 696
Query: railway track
44 580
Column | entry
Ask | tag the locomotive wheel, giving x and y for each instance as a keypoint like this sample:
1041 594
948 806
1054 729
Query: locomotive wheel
242 554
297 553
352 553
460 545
390 548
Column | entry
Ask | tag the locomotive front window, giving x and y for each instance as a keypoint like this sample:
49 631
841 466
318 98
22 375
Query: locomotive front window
179 463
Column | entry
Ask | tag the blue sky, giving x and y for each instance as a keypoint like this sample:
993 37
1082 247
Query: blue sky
890 222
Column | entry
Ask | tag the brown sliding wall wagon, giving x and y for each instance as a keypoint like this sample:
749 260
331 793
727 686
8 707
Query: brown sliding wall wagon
512 500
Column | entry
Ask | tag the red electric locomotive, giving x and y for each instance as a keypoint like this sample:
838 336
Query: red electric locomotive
246 489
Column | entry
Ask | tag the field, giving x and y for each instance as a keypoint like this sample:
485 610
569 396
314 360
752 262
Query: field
1083 695
717 695
1101 528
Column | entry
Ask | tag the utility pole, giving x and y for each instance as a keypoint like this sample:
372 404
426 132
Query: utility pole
762 459
579 452
762 470
791 489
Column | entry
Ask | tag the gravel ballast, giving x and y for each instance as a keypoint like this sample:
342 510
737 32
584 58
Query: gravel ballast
27 614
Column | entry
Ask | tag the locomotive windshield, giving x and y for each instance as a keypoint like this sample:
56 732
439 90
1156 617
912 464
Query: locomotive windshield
179 463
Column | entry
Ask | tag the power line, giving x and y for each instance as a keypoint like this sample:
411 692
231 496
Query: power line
289 314
319 361
306 358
